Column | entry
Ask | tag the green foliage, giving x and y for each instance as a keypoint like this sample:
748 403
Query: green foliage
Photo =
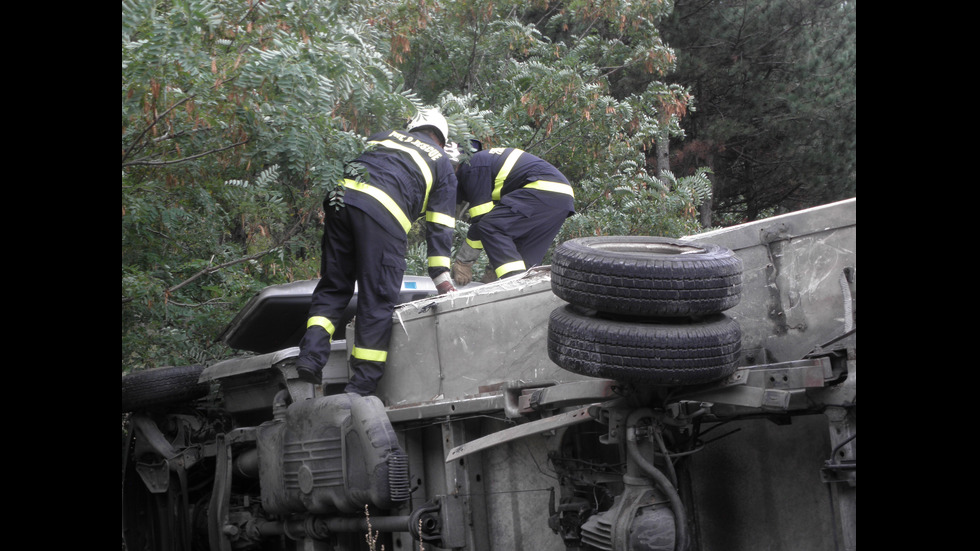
641 205
777 92
238 118
577 84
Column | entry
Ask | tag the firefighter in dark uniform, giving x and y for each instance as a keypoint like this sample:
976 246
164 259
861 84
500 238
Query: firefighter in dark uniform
405 174
518 203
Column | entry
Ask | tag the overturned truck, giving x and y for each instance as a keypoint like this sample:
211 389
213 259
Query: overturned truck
640 393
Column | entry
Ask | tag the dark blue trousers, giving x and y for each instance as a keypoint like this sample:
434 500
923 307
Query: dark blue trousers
521 227
356 249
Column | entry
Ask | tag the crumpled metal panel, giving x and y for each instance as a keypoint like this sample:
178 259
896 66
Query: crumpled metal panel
799 286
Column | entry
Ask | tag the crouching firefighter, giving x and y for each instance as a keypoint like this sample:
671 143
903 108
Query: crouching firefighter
403 175
518 203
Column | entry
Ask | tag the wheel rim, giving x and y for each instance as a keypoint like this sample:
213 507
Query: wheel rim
648 248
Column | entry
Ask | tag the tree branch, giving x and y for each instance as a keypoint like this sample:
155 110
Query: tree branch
175 161
151 125
211 269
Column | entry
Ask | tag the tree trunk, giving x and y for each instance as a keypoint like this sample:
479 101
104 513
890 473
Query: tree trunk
663 156
704 212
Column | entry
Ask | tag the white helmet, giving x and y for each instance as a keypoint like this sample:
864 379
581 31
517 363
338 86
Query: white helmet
430 117
452 150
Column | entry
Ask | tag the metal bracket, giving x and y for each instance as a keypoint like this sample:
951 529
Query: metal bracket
299 390
564 395
523 397
155 476
843 471
561 420
451 514
779 387
440 522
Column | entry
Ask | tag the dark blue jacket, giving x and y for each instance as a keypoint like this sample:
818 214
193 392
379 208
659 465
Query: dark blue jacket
493 173
407 176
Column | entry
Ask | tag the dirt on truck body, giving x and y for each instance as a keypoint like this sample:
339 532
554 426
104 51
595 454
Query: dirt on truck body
640 393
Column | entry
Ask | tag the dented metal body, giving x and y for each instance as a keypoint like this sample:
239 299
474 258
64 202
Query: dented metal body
496 448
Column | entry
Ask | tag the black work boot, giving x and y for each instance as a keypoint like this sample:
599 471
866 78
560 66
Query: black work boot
308 375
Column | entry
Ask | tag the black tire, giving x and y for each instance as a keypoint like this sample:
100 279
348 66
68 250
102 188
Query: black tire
162 386
646 276
654 353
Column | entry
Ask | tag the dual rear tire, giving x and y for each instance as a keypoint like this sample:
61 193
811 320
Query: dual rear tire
645 310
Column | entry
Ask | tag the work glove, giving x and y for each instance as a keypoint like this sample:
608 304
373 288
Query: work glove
462 272
446 287
443 283
490 275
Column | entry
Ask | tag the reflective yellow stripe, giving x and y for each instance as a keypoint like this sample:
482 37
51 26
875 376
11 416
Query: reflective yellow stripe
382 198
481 209
440 218
557 187
438 261
474 244
417 157
321 322
498 182
369 355
510 267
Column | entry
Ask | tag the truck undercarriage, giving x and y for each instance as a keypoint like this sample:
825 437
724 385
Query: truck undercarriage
527 436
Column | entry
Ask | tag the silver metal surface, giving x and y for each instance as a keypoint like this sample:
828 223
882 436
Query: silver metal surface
449 347
558 421
792 299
